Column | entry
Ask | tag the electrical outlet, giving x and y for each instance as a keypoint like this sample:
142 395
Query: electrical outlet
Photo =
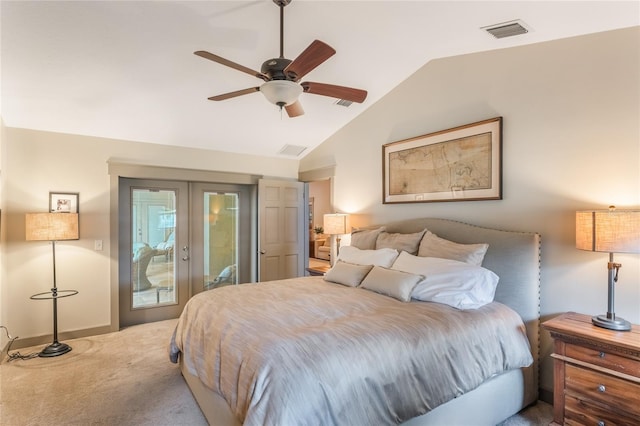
97 245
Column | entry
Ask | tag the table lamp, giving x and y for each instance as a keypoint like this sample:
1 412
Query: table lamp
336 224
610 231
52 227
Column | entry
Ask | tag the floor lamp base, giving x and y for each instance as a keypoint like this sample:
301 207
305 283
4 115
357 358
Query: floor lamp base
55 349
619 324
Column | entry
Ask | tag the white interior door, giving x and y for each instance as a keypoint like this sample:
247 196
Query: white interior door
282 229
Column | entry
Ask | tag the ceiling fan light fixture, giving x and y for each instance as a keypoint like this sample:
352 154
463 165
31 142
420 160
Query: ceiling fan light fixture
281 92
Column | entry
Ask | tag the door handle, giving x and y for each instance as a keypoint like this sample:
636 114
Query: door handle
185 250
262 251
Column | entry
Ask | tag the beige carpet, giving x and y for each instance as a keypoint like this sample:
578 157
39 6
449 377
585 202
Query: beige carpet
122 378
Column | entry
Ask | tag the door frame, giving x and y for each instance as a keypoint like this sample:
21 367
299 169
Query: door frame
117 169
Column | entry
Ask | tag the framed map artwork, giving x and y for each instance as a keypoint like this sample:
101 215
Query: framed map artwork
459 164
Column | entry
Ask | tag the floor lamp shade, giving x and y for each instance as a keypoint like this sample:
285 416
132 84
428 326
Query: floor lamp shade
51 226
610 231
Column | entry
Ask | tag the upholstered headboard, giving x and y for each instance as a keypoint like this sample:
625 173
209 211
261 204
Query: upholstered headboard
513 256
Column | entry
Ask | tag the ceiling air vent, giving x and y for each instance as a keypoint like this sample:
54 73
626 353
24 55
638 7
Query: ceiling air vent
343 102
292 150
507 29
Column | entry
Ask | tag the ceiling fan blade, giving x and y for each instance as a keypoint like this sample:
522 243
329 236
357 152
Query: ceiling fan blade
315 54
340 92
295 109
231 64
234 94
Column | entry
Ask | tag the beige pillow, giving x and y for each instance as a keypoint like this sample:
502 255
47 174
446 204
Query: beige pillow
348 274
434 246
400 242
383 257
396 284
365 239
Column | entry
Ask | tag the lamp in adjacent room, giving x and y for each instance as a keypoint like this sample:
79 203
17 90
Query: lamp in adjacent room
610 231
336 224
52 227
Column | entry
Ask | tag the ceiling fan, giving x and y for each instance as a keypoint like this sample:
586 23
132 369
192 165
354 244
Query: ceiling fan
281 76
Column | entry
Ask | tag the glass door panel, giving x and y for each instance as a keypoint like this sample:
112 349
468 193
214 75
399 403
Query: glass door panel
152 244
221 235
220 242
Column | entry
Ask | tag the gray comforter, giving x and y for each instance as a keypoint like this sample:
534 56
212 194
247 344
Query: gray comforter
307 352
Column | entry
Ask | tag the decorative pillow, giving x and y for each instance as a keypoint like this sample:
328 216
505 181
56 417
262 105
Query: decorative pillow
396 284
451 282
400 242
434 246
348 274
365 239
382 257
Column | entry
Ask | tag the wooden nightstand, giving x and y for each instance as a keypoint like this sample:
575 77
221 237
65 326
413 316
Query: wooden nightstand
596 372
318 270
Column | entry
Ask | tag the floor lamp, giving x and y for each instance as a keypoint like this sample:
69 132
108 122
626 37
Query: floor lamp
610 231
334 225
52 227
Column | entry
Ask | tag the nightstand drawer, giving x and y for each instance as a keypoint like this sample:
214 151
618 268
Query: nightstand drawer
595 386
578 412
603 359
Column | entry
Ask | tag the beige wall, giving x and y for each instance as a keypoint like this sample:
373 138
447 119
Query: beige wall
35 163
571 141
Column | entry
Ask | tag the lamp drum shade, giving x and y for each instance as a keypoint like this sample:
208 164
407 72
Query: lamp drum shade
336 224
610 231
51 226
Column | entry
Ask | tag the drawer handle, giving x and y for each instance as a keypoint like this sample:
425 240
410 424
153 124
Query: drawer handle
601 388
600 422
601 354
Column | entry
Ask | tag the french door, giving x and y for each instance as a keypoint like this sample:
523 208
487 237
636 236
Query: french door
178 239
221 235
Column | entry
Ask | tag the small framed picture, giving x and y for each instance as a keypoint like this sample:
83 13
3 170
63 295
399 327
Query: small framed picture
63 202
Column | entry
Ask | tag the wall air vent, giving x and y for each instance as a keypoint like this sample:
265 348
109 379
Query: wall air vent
343 102
507 29
292 150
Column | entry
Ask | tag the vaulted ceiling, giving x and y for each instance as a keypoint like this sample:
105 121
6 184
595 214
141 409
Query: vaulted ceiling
126 69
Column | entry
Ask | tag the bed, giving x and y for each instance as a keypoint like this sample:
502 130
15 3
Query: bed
256 368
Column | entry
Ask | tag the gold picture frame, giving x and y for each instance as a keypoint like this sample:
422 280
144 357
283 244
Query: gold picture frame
459 164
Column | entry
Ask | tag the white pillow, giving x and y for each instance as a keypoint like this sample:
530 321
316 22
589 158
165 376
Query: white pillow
434 246
451 282
383 257
348 274
396 284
